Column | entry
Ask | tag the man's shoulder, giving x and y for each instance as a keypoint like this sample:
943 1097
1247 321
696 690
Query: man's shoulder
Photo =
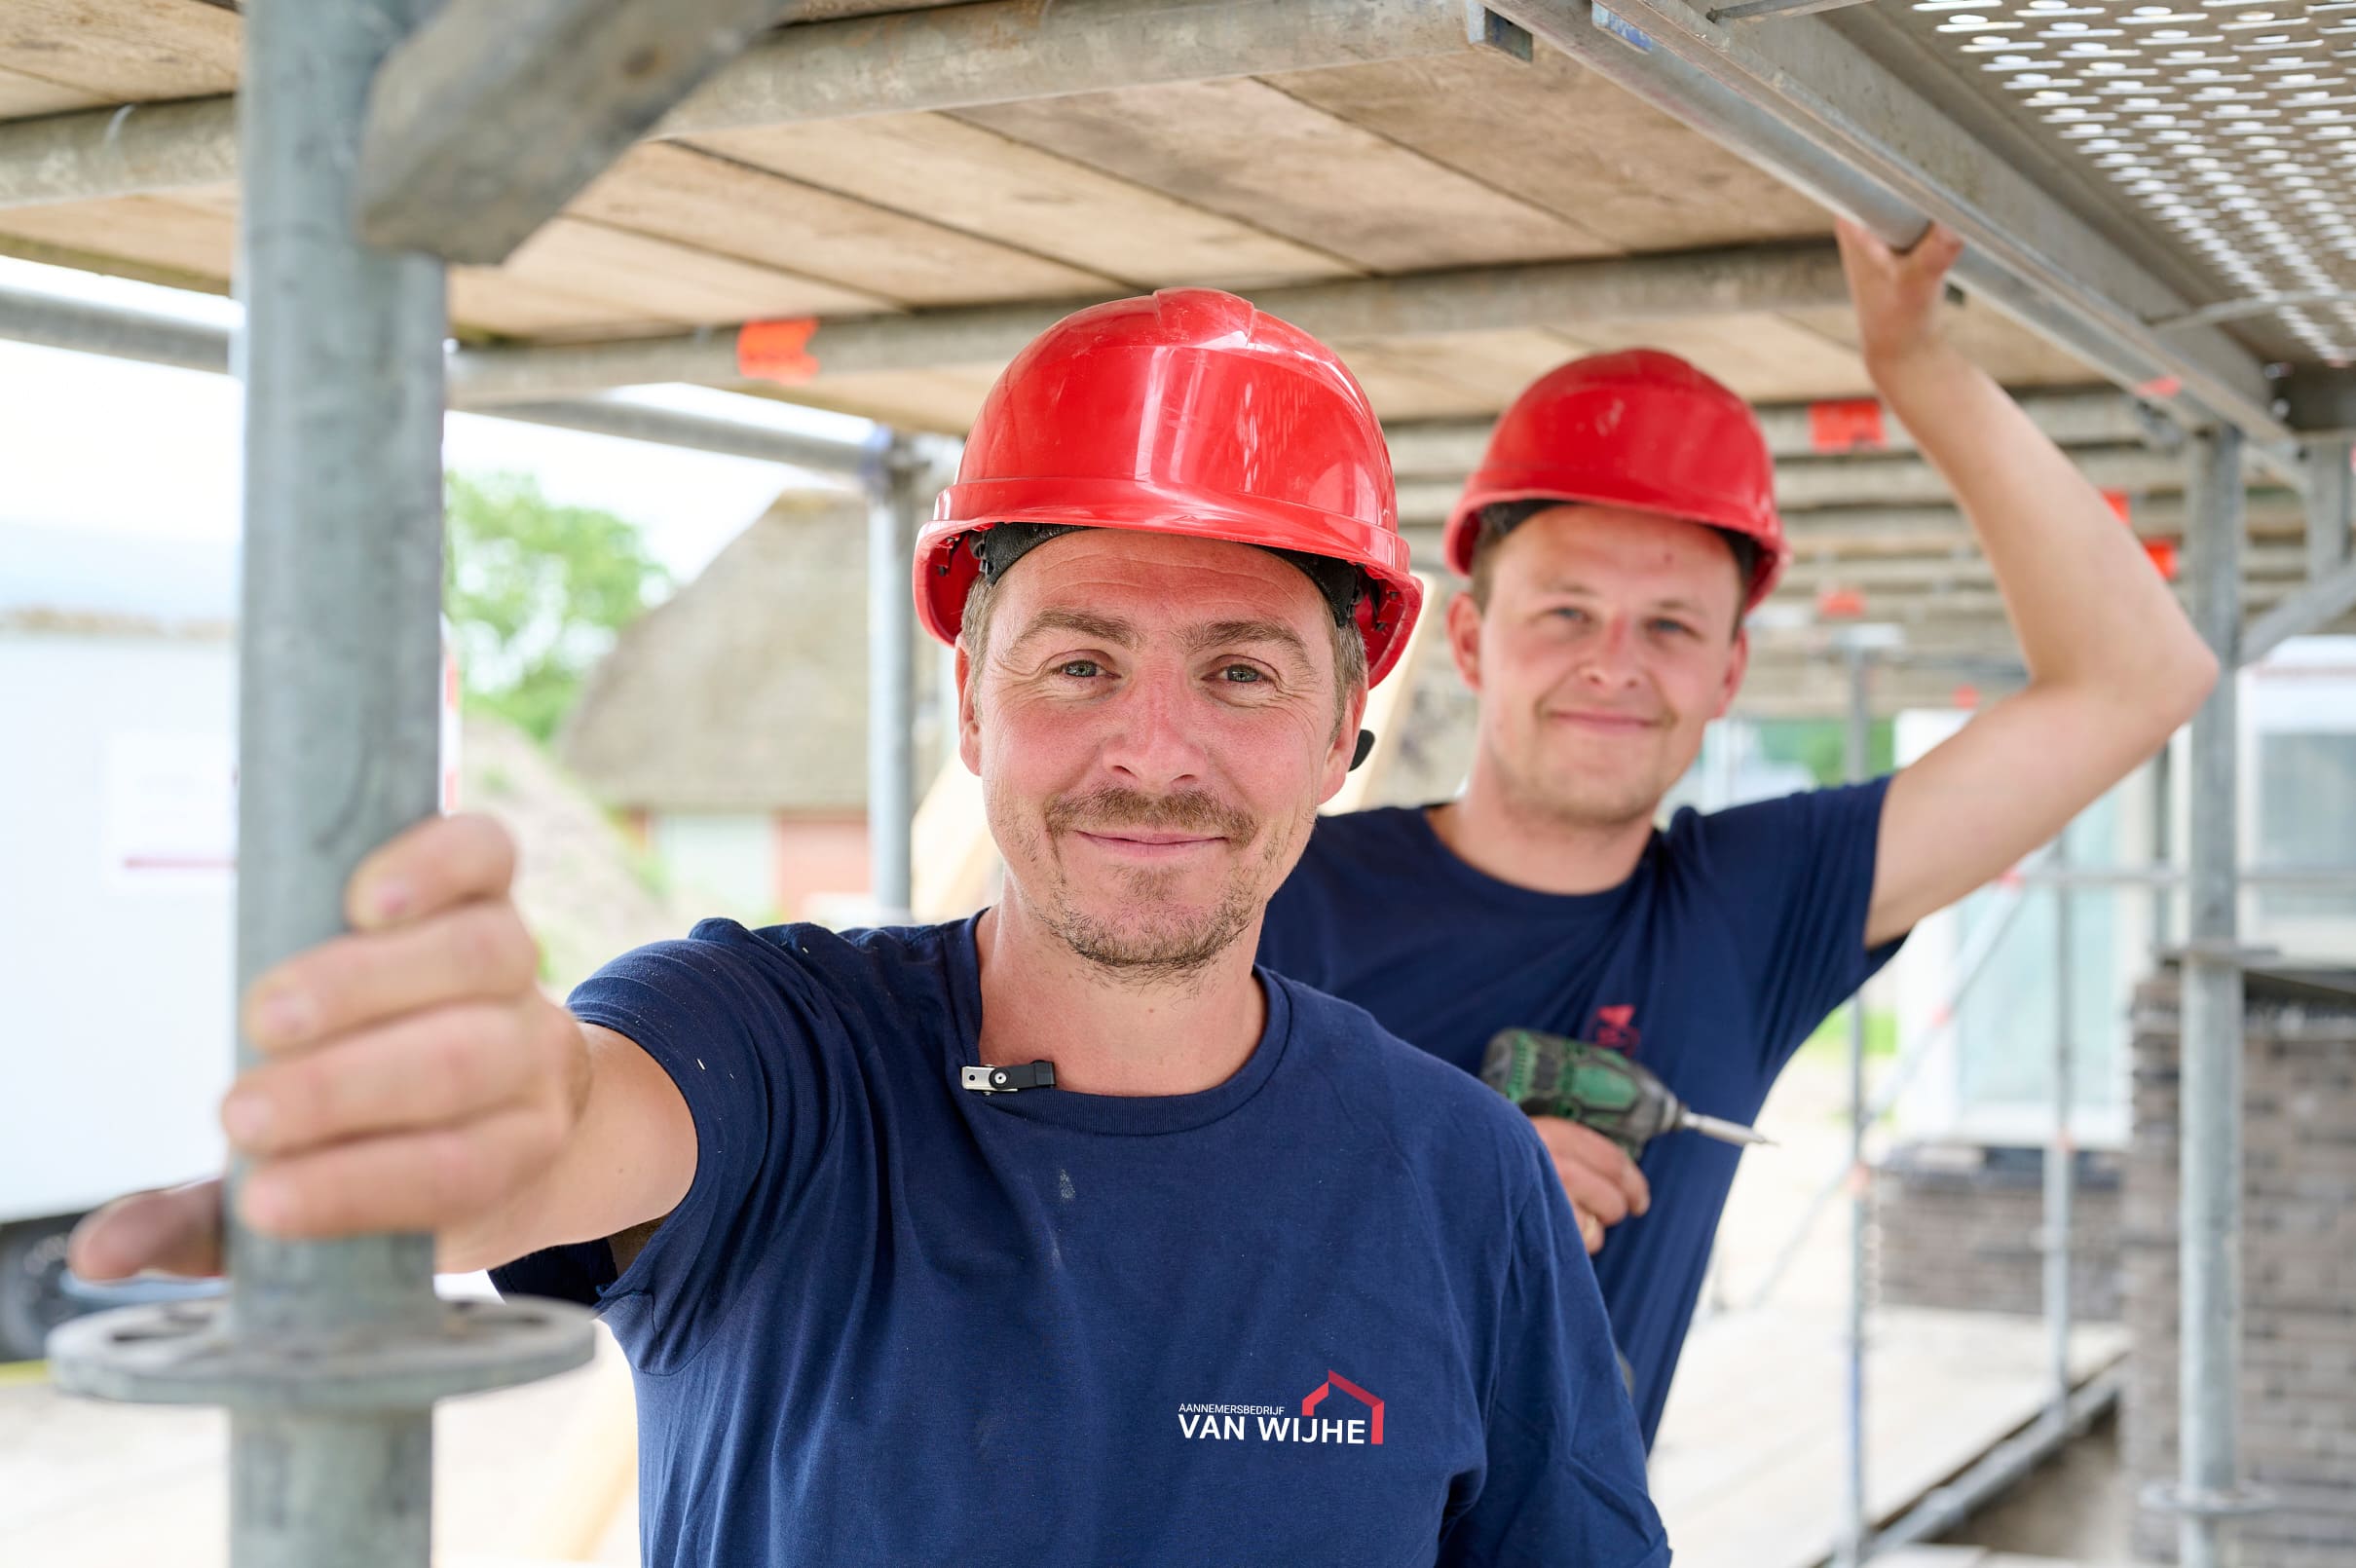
1427 1107
1394 828
724 966
1783 827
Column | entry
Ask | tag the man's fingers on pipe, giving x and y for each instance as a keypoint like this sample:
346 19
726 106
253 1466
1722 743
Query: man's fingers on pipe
173 1230
439 864
407 1181
477 950
441 1066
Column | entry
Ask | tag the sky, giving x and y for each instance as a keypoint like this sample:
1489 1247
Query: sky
88 443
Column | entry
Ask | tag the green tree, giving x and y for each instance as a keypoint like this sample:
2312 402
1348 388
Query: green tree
537 593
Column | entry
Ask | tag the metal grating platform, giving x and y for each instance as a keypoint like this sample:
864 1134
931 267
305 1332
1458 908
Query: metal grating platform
2230 123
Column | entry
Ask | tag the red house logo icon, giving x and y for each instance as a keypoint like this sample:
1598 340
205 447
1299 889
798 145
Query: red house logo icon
1335 1380
1615 1028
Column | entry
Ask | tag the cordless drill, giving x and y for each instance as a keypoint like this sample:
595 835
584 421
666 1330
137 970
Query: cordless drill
1550 1075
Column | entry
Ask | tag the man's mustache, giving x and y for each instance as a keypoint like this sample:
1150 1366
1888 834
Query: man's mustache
1112 807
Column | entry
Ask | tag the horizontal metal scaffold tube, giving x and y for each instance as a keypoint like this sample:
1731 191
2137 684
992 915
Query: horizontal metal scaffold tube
1774 94
59 323
1449 449
1465 299
957 56
1803 484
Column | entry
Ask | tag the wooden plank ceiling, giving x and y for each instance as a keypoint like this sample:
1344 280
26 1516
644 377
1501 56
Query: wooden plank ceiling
1359 171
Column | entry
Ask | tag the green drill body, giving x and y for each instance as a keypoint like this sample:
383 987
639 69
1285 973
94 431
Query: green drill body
1552 1076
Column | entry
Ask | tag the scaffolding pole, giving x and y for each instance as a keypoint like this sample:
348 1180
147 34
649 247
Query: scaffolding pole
1853 1545
2209 1259
2061 1150
81 327
329 1354
894 492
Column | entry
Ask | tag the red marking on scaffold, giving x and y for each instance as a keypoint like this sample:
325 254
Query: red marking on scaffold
1965 695
1846 425
777 351
2160 387
2161 554
1840 604
2122 505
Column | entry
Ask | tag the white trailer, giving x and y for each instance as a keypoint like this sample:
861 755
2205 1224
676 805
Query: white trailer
118 768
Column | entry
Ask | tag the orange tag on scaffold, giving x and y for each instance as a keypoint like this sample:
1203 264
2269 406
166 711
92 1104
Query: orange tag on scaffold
1846 425
2161 554
2159 386
777 351
1840 604
2121 505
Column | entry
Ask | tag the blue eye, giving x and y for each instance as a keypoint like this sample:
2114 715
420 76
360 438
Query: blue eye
1678 627
1241 675
1080 669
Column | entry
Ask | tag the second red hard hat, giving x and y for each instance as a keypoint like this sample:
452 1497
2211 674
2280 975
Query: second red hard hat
1639 428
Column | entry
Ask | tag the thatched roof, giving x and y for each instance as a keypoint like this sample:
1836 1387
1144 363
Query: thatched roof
746 692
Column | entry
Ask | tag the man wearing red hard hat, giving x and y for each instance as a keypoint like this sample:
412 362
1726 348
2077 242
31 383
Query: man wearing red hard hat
1057 1235
1619 528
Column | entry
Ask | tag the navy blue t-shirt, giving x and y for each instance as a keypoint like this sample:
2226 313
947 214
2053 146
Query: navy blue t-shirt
1736 934
1333 1310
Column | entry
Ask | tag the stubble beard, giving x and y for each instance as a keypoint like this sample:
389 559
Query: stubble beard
1155 942
1567 796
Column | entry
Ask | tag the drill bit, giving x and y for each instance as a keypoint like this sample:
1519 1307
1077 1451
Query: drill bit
1725 1132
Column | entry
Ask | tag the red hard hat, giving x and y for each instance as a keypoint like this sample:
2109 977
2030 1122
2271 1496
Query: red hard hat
1639 428
1191 413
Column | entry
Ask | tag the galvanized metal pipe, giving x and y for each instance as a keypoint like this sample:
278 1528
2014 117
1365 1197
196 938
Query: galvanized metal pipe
2209 1256
892 497
957 56
2329 514
339 720
82 327
1451 448
1670 56
1465 299
1853 1544
2061 1147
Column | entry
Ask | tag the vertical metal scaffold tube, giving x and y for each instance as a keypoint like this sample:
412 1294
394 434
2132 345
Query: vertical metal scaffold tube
2061 1150
329 1354
892 495
1854 1523
2210 1117
340 360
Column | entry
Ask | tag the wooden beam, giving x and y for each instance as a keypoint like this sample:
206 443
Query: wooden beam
498 112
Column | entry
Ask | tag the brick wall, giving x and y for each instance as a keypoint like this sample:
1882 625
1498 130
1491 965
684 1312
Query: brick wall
2298 1274
1959 1226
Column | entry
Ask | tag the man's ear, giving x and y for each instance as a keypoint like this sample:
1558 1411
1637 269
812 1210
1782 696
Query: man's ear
969 716
1464 637
1737 664
1343 748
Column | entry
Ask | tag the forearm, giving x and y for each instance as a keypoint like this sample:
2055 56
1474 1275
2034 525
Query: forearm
2085 606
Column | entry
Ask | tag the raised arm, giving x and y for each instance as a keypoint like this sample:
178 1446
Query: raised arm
418 1079
2113 666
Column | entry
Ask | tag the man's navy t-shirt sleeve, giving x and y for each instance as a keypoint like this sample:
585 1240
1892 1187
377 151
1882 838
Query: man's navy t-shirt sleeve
1564 1480
1797 875
735 1023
